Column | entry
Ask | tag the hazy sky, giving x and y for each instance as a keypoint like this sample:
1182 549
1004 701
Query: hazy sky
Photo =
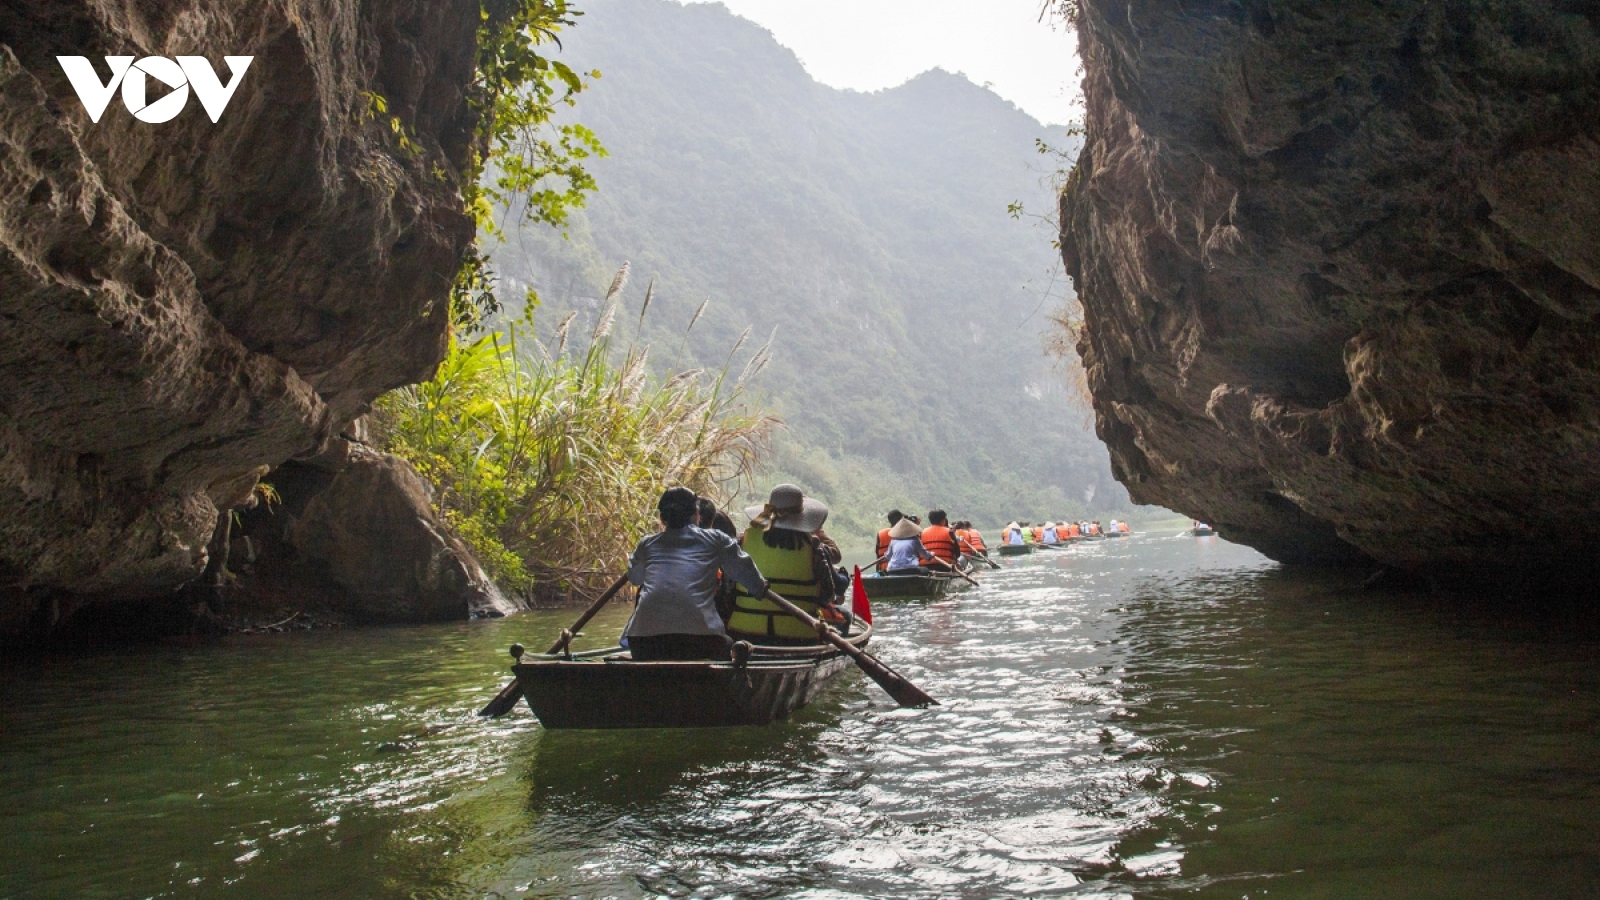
873 44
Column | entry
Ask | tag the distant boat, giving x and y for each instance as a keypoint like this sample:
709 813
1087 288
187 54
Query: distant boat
1015 549
1202 531
608 689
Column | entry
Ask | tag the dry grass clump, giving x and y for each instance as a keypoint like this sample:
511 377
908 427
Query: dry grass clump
548 462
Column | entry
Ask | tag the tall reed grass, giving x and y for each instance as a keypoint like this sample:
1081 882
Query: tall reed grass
548 461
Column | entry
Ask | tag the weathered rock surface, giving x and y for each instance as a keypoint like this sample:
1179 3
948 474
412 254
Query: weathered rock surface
1340 271
184 303
358 528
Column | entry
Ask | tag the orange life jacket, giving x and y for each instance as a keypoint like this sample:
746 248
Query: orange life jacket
1073 531
1094 528
1038 534
1123 527
940 541
972 537
883 549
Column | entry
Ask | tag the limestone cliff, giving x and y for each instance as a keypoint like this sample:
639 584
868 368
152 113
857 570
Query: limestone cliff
184 304
1340 271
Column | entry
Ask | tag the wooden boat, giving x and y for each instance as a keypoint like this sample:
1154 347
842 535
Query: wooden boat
1117 534
1058 545
1202 531
1015 549
883 586
608 689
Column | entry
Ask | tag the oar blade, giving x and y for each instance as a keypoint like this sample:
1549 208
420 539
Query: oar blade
503 702
907 694
893 683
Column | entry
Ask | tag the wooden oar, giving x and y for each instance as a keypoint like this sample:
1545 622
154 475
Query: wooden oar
981 554
506 700
904 692
955 570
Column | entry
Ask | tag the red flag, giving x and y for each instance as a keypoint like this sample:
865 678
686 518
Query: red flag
858 598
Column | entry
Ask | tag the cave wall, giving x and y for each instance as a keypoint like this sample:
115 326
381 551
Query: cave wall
185 304
1340 274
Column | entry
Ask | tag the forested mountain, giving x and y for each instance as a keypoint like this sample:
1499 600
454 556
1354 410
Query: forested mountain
869 232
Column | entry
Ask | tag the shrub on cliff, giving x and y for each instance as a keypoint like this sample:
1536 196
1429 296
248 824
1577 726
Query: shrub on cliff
548 461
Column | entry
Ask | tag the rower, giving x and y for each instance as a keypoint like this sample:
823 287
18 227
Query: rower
1012 535
906 553
1048 534
786 540
939 541
972 538
676 571
895 516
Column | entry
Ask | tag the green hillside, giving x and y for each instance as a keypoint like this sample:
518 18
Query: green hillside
869 232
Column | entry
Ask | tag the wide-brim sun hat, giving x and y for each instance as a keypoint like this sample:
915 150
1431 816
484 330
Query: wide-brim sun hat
905 528
788 508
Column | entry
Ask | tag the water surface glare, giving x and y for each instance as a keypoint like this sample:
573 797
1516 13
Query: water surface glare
1154 717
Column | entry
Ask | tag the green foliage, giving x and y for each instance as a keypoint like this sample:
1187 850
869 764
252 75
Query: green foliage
522 157
548 461
536 163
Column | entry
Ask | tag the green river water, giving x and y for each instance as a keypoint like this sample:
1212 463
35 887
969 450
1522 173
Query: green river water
1157 717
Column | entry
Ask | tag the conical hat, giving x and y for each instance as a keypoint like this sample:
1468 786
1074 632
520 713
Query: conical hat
905 528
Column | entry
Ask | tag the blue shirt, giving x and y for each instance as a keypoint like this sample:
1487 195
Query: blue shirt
1049 536
905 553
676 571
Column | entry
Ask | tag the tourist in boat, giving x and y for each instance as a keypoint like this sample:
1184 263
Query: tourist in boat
1038 534
971 538
882 552
676 572
786 540
1012 535
715 519
1048 535
939 542
907 556
1124 527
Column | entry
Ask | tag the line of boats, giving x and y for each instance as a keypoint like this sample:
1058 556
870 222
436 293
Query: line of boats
758 685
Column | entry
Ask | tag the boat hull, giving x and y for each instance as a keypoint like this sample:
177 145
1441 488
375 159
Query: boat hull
1015 549
880 587
617 692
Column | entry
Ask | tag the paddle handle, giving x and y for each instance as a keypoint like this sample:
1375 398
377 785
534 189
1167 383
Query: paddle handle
955 570
567 636
904 692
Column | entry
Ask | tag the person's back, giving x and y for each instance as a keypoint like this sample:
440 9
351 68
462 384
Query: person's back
785 539
938 540
975 539
883 540
1049 535
676 571
906 553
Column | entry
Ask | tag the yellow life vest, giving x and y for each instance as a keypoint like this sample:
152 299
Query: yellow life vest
792 577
